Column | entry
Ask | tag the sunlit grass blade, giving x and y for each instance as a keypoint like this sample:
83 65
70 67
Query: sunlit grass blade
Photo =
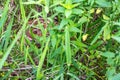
32 61
98 35
58 77
7 34
72 75
23 14
67 46
38 77
4 14
22 10
13 43
27 55
8 31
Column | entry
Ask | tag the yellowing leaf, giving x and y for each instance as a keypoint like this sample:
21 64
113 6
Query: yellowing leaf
106 34
105 17
92 10
68 6
98 11
84 37
1 53
6 63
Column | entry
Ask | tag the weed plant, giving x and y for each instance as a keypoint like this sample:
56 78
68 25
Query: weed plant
59 40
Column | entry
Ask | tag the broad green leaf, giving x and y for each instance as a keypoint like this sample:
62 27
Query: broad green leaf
68 2
74 29
116 77
59 9
110 72
79 44
63 23
57 52
53 40
116 23
77 11
103 3
117 34
108 54
68 12
83 20
110 61
117 38
91 2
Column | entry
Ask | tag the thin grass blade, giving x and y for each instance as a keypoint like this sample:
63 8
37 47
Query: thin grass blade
67 46
4 14
42 60
13 43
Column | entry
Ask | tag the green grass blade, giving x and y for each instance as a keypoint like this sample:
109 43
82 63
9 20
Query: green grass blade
58 77
27 55
99 33
8 31
13 43
7 34
38 77
72 75
4 14
22 10
67 46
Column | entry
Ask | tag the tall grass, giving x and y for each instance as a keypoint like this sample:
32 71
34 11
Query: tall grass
70 40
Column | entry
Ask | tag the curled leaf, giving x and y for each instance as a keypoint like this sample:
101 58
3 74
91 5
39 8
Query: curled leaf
105 17
84 37
98 11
